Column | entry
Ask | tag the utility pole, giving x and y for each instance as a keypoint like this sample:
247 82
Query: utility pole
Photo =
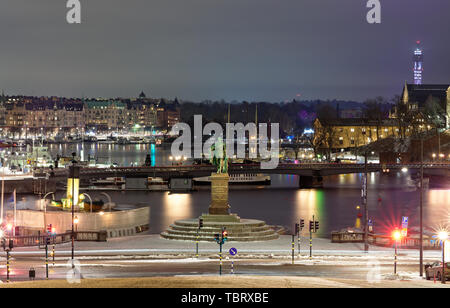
366 208
73 208
421 208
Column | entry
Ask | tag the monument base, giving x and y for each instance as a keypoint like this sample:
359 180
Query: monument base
219 194
240 230
220 218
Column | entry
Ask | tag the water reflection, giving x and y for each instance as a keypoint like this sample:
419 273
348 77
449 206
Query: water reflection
175 207
390 196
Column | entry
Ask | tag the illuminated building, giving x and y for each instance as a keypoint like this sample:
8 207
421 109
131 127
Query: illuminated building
418 64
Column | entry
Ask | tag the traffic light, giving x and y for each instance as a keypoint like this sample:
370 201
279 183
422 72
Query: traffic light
297 228
224 235
53 231
217 237
302 224
11 244
311 226
4 243
316 226
49 228
200 223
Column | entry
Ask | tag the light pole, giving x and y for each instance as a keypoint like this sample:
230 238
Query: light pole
74 172
443 236
397 236
366 208
90 200
109 199
44 206
421 209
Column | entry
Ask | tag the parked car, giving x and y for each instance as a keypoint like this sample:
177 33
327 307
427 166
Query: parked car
434 270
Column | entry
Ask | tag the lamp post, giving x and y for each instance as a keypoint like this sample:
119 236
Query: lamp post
76 221
90 200
443 236
421 209
109 199
397 236
74 173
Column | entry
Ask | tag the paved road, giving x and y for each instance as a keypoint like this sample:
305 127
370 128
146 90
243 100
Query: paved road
117 268
150 256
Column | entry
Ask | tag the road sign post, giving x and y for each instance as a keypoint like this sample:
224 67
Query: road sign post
233 252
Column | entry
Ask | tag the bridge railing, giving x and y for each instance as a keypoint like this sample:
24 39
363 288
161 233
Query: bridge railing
256 167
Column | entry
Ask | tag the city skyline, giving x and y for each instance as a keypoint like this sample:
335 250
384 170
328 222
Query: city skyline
232 51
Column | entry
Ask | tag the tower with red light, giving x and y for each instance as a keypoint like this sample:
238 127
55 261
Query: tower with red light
418 64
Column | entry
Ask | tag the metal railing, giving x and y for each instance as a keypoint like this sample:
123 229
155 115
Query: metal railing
39 240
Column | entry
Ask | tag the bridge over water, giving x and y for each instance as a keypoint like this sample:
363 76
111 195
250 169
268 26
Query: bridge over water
310 174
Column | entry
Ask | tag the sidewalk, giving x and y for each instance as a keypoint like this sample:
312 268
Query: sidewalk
155 245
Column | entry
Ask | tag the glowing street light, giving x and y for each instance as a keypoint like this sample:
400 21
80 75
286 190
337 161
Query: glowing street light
76 221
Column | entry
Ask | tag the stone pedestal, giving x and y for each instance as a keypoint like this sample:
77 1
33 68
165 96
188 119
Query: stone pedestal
219 194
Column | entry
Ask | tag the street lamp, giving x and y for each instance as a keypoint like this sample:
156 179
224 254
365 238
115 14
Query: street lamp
443 236
397 236
76 221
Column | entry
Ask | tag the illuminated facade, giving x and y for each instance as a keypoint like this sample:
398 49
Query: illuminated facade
339 134
418 64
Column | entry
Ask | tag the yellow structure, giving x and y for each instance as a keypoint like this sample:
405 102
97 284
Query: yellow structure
350 133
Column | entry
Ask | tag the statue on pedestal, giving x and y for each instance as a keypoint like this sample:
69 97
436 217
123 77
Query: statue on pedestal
219 180
220 161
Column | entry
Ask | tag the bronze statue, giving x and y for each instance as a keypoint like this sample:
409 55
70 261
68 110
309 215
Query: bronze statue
220 161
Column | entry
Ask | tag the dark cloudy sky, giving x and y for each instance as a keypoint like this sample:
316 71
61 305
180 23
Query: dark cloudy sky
220 49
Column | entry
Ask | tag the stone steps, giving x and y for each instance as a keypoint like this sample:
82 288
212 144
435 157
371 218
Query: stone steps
252 238
206 233
230 229
246 230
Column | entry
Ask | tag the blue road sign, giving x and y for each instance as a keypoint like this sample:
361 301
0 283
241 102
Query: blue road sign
405 222
233 251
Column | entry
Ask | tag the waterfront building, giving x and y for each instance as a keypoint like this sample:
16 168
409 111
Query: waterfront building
344 134
106 115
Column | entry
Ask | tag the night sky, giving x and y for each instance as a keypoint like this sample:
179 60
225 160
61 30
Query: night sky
272 50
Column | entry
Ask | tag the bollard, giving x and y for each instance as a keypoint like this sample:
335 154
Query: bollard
293 247
32 273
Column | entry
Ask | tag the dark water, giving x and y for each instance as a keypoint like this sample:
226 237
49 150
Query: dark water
389 197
